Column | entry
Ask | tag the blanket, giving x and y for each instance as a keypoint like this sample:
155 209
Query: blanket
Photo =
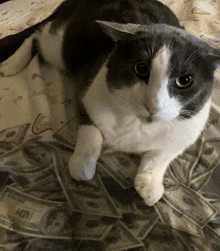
43 208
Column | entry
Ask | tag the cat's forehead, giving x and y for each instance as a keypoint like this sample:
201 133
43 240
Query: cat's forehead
171 36
157 35
160 35
166 31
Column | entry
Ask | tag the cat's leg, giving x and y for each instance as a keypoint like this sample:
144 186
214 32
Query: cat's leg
15 63
149 178
82 164
49 47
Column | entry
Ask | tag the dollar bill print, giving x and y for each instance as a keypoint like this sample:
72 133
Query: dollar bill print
7 236
93 227
195 166
64 136
49 245
210 241
29 163
47 194
126 201
207 164
24 179
45 188
121 198
49 180
210 187
12 138
175 219
4 177
89 212
140 226
215 225
59 196
164 238
183 166
29 215
190 203
32 156
13 246
119 238
84 196
122 167
35 217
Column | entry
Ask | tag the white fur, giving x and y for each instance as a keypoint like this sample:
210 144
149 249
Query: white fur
18 60
157 97
120 116
51 45
88 148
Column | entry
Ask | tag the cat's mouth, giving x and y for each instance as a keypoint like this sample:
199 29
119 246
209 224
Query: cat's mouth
148 119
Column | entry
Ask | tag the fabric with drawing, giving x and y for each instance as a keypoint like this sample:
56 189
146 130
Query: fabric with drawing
43 208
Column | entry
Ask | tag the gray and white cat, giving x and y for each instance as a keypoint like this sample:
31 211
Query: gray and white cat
143 82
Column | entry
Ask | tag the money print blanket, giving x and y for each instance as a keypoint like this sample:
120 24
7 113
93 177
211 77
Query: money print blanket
42 208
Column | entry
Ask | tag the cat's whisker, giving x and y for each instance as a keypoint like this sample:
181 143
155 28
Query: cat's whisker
192 57
193 54
195 57
180 118
147 48
150 51
154 42
169 45
188 113
189 60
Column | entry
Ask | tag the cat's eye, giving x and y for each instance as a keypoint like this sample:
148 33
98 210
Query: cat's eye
142 69
184 81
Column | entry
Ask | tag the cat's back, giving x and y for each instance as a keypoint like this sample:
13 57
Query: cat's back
121 11
84 39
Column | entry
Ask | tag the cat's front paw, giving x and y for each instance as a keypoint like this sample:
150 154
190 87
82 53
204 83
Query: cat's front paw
149 188
81 169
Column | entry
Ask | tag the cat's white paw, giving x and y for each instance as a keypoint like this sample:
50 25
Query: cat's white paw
149 188
81 169
11 66
15 63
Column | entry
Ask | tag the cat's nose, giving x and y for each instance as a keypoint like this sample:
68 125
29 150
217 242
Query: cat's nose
151 110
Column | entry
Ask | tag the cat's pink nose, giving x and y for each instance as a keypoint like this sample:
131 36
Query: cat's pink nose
151 110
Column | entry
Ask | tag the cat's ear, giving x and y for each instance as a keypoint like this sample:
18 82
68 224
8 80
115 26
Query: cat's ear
118 31
214 57
216 60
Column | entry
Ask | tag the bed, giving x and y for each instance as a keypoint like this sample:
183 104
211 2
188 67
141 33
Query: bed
42 208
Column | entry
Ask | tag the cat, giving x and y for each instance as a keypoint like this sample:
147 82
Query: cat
143 82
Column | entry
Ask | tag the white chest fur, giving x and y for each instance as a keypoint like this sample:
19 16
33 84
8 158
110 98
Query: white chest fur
124 131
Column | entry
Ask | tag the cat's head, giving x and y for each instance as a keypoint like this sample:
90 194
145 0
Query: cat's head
158 71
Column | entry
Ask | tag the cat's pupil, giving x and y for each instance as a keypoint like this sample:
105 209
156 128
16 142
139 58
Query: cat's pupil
184 81
142 69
